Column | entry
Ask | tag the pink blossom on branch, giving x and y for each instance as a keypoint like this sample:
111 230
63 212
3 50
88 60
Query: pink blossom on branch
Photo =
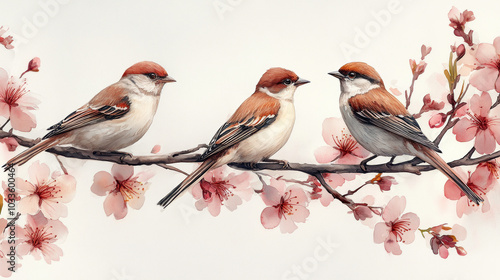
217 189
384 182
487 74
478 182
343 148
40 234
44 193
285 206
16 103
122 189
5 41
440 243
480 123
458 21
396 227
33 66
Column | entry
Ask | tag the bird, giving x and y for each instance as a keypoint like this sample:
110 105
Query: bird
115 118
381 123
259 127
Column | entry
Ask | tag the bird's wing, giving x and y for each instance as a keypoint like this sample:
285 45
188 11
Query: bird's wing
110 103
256 113
388 113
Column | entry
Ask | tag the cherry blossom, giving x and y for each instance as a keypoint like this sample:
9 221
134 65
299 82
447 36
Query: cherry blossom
458 21
16 103
489 169
40 234
417 69
5 41
122 189
480 123
343 148
440 243
156 149
487 75
216 189
437 120
396 228
33 66
285 207
384 182
478 182
425 51
44 193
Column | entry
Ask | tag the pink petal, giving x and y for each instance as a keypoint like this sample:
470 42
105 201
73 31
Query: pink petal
459 232
452 191
10 142
465 130
156 149
349 159
269 217
326 154
332 128
494 128
334 180
241 181
115 204
443 252
485 142
300 214
103 183
196 191
394 208
214 206
287 226
21 119
484 79
39 173
380 233
122 172
29 204
480 177
391 246
24 187
137 201
200 204
67 186
53 209
51 252
485 206
496 44
298 195
233 202
270 195
486 53
408 236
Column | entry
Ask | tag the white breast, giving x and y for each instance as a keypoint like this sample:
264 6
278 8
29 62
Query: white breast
119 133
267 141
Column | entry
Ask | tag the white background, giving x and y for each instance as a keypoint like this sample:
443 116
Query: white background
217 58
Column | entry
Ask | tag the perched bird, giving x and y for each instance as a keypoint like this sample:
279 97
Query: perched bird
382 125
115 118
257 130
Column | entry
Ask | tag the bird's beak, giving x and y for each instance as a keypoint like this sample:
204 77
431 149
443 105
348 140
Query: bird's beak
168 79
337 74
301 81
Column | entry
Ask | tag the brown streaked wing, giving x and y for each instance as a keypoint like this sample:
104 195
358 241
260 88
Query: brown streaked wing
99 109
257 112
388 113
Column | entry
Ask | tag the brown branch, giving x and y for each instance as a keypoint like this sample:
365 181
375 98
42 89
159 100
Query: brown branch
312 169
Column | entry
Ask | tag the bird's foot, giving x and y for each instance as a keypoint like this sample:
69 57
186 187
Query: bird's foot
362 165
285 163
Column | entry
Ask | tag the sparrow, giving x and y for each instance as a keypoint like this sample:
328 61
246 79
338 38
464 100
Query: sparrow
382 125
115 118
257 130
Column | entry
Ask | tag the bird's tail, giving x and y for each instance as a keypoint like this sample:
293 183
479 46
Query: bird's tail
435 160
192 179
25 156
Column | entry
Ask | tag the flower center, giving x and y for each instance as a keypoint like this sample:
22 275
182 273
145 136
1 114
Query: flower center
38 236
493 168
47 191
479 121
128 188
399 227
219 188
286 207
345 144
13 93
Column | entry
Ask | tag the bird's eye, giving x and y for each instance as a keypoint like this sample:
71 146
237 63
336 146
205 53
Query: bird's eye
287 81
152 76
351 75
